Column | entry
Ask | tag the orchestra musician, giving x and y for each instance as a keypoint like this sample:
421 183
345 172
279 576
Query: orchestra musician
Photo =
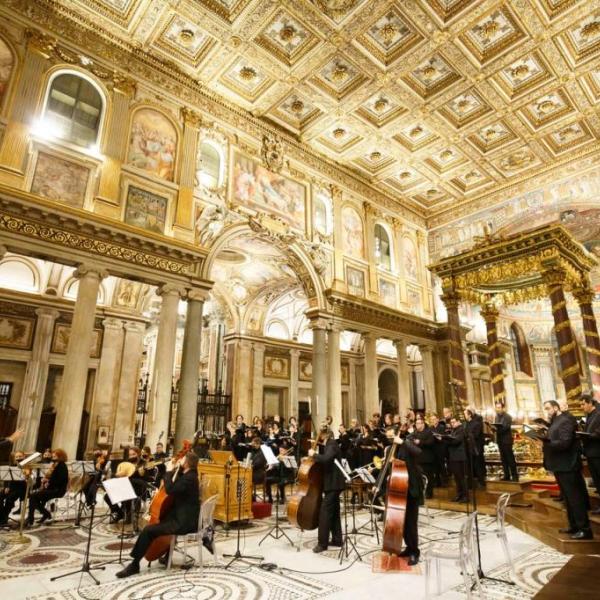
54 485
181 519
12 491
440 449
330 523
562 456
423 437
591 442
408 450
476 442
457 457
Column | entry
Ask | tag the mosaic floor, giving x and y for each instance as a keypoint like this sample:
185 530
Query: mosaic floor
26 569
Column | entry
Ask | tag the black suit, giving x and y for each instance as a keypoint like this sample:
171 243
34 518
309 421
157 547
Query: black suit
474 430
457 457
427 458
504 439
591 446
441 455
333 483
183 516
562 456
55 488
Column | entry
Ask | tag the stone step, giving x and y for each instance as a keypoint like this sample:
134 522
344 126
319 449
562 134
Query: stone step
557 513
483 508
546 530
508 486
483 496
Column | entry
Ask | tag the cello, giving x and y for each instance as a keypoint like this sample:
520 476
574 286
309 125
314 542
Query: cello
305 504
159 508
395 502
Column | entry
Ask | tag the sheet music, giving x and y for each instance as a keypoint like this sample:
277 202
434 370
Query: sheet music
290 462
32 458
365 475
269 456
119 489
341 468
346 466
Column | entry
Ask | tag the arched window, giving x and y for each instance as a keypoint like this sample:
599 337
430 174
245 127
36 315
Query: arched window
383 248
74 108
209 166
323 218
7 63
521 350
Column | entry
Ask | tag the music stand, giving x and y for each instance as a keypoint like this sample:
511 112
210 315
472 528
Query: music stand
346 540
10 474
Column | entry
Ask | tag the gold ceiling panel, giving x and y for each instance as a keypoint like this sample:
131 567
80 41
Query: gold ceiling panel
511 86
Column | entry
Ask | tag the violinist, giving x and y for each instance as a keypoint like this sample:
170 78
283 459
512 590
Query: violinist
11 491
330 523
182 517
90 487
407 450
54 485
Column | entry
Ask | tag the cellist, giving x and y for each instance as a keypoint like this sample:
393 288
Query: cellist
407 450
181 519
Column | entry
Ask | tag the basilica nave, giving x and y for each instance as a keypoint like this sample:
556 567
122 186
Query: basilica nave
330 211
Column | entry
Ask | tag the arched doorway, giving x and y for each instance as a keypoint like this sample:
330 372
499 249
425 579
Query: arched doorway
388 391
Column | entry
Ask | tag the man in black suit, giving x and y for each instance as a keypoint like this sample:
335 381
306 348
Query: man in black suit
476 439
330 522
457 457
562 456
591 443
441 451
181 519
504 439
423 438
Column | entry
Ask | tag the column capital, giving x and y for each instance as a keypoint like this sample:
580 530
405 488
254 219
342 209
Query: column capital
48 313
425 348
112 323
85 270
40 42
335 328
584 294
125 85
191 117
369 335
294 352
169 289
197 295
134 326
490 312
400 343
318 323
554 276
451 299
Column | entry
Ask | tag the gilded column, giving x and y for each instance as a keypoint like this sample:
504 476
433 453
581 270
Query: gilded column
258 380
187 404
457 362
75 374
36 377
107 377
16 136
115 142
187 169
162 378
403 377
319 372
371 376
335 376
567 349
490 313
428 378
124 414
352 408
585 297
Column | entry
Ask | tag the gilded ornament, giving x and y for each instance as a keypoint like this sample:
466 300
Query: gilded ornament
340 74
272 152
380 104
191 117
287 33
248 74
375 156
186 37
590 30
339 133
297 107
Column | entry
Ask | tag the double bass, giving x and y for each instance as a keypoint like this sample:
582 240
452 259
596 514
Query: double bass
395 502
305 504
159 508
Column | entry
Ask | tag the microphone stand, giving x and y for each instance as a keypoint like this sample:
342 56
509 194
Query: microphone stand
238 555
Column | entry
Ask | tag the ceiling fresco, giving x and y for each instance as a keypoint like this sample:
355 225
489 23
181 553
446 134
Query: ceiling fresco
438 101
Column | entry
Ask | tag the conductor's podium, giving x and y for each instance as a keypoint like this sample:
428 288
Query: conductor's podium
221 477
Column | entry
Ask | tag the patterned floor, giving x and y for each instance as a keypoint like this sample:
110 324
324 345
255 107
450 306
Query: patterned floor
26 569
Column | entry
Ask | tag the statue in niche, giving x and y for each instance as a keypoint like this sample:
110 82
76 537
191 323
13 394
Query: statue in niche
210 221
128 293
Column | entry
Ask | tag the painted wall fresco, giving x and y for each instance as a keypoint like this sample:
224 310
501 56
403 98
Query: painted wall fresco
411 268
16 332
60 341
6 68
60 180
277 367
355 278
387 292
260 189
352 233
146 210
153 143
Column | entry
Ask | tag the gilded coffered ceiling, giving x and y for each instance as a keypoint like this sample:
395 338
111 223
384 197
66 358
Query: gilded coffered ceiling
440 101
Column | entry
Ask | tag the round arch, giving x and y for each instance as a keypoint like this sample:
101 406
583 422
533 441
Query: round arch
299 261
388 389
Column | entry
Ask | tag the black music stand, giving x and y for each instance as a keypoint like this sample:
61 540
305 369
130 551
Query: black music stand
347 543
277 532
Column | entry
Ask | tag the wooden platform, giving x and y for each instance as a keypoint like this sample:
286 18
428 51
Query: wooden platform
579 578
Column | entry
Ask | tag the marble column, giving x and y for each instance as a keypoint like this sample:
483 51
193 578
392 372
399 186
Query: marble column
335 376
457 361
162 378
241 399
352 408
107 377
428 378
294 372
124 414
75 373
567 347
319 372
490 313
36 378
585 297
187 405
371 402
257 381
404 400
